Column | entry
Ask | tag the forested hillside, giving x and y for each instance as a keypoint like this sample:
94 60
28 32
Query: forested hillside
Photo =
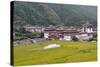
53 14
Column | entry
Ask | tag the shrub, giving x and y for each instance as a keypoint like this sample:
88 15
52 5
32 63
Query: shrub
91 39
74 38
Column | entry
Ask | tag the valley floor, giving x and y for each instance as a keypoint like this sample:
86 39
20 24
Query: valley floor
67 52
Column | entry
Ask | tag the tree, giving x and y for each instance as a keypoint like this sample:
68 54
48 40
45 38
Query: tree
74 38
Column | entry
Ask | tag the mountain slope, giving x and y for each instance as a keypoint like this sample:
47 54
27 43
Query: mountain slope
53 14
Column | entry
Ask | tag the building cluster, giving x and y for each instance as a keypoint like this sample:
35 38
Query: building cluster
33 29
64 33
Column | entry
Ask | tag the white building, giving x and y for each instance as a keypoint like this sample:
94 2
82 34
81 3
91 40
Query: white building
85 33
46 35
33 29
87 27
67 38
85 36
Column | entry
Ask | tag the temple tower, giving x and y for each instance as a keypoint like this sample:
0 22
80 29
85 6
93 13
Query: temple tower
87 27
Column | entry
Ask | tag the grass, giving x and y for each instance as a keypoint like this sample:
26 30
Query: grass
68 52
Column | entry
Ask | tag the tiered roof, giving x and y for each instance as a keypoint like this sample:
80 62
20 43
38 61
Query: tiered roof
87 25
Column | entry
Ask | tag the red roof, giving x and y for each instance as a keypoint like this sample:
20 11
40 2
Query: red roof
87 24
68 30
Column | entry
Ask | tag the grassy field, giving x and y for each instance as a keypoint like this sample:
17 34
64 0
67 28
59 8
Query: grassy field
68 52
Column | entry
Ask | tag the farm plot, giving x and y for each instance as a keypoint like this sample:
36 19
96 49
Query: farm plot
67 52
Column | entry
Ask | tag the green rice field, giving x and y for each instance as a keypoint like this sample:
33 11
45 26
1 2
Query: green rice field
33 54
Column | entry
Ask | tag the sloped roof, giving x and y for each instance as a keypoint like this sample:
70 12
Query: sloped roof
87 24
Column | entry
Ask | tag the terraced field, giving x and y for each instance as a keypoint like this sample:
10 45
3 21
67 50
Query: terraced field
67 52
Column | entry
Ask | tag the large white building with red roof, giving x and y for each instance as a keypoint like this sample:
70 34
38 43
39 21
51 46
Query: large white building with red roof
84 33
63 32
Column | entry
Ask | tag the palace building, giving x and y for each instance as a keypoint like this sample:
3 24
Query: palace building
62 33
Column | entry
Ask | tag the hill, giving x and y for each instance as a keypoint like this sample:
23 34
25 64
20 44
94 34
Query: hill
45 14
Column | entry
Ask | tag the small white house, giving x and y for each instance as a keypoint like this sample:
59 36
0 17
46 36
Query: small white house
33 29
85 36
67 38
46 35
